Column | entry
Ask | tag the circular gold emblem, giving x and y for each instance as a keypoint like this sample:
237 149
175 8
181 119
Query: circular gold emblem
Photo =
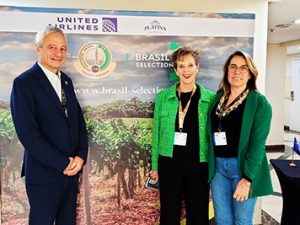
94 60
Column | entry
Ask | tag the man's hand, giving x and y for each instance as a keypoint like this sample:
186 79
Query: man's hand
74 166
69 166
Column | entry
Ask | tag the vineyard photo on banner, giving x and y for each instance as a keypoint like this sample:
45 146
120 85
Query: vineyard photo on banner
118 61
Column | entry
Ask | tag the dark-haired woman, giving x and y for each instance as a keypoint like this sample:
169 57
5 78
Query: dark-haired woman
239 123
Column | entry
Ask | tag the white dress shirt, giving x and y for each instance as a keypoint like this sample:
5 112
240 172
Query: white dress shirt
54 80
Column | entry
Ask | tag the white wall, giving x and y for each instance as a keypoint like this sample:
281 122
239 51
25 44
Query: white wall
275 90
288 87
287 99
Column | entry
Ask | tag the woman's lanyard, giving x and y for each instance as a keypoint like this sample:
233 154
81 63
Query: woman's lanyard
182 112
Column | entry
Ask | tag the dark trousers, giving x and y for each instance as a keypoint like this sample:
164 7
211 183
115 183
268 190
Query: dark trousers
54 202
183 178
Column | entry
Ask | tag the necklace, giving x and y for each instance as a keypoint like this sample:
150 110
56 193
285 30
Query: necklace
223 111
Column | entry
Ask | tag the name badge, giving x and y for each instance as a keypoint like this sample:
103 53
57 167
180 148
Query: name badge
180 138
220 138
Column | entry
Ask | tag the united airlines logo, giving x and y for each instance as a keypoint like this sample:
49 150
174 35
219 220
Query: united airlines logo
155 27
109 24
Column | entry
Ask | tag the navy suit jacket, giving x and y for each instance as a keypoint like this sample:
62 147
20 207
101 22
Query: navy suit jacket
47 134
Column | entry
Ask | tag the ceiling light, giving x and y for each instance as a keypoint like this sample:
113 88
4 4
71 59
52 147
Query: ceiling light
283 25
297 21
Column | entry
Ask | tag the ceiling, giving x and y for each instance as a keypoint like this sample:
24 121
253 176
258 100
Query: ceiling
281 26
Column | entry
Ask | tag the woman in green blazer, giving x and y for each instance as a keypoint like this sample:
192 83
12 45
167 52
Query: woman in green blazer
180 144
239 123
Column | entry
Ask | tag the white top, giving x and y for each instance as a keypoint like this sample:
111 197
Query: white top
54 80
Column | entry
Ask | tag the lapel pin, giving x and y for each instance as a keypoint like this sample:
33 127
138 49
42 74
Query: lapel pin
66 82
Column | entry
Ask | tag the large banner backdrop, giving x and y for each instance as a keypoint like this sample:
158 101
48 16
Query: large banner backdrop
119 61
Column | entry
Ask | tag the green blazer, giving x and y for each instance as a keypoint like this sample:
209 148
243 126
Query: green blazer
166 107
252 158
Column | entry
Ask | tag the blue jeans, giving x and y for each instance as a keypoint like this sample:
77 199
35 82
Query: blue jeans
227 210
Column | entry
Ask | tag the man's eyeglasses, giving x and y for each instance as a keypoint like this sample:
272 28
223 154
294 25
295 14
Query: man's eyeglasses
233 68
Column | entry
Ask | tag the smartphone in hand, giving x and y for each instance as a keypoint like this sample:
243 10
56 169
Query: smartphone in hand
150 183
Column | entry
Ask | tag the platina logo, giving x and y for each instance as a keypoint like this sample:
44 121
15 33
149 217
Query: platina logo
155 27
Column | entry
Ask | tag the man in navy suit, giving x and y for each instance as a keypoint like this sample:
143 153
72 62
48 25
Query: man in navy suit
50 124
